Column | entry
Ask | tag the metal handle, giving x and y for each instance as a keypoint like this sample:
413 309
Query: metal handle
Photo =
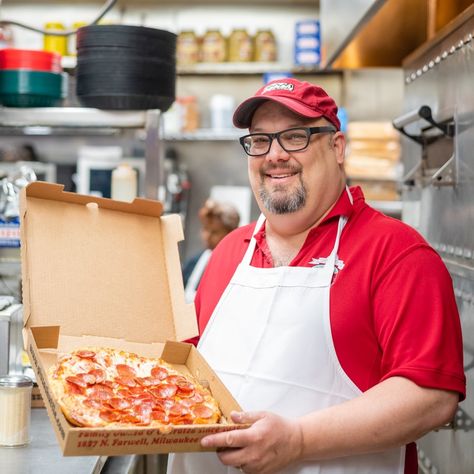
424 112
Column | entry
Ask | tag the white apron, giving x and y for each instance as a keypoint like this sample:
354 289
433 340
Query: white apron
269 340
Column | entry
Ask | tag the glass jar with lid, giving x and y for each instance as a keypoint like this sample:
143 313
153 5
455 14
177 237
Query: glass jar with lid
187 48
265 46
214 47
15 410
240 46
55 43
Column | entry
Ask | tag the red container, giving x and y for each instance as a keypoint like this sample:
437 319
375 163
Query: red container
30 59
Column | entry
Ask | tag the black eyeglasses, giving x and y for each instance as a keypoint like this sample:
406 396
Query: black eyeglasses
292 139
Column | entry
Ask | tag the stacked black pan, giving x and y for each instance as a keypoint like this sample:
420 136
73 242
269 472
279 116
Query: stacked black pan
123 67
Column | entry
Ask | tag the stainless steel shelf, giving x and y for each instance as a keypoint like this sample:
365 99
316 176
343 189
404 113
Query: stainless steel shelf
205 135
69 62
246 68
74 117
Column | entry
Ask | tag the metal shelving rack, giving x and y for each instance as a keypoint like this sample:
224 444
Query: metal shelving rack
82 119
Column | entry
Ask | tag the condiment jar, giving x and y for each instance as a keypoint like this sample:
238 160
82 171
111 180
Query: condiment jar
55 43
265 46
240 46
124 183
214 47
15 410
190 112
187 48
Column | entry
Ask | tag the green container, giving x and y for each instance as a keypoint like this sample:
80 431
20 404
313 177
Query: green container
23 88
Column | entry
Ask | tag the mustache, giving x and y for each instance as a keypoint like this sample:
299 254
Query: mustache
281 167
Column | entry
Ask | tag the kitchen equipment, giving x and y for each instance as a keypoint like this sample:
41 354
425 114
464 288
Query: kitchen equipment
438 194
122 67
11 340
23 88
46 61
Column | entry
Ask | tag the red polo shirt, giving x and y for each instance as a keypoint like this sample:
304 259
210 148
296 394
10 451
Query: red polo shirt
392 305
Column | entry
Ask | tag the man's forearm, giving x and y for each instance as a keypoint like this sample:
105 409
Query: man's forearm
393 413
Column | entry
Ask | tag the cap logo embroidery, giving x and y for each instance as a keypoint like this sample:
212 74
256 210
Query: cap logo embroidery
279 86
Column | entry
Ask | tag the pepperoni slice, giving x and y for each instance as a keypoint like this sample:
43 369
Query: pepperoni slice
130 418
148 381
159 372
99 375
164 391
160 416
125 370
197 397
101 392
202 411
175 379
185 389
178 409
119 403
90 402
85 354
194 400
88 378
143 413
126 381
135 391
75 379
109 415
74 389
182 420
145 398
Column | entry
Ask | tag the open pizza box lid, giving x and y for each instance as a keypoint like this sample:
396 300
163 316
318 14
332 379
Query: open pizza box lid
103 273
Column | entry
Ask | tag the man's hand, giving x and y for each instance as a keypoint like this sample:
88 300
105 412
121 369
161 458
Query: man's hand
270 444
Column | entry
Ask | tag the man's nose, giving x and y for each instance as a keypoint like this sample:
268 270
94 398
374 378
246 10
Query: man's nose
276 152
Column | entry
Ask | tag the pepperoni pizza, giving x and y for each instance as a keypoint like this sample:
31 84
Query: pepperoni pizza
109 387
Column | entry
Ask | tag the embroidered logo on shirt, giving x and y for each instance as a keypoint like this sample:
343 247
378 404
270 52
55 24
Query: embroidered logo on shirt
320 262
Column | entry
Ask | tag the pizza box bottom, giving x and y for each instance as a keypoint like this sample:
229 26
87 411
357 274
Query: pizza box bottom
75 441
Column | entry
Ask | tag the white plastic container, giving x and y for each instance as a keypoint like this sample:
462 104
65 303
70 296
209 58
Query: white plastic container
124 183
222 108
15 410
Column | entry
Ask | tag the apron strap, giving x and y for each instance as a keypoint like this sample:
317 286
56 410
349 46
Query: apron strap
250 249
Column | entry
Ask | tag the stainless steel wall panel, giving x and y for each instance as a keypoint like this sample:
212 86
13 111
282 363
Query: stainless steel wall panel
441 76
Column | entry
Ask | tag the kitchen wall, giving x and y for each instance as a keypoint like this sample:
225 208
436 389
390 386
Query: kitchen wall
366 94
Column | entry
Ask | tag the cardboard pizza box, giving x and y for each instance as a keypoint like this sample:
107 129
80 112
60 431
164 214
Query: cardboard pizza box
104 273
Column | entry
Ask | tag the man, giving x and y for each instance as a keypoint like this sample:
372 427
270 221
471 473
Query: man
334 326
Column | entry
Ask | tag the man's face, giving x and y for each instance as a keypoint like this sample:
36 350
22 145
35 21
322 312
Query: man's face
287 182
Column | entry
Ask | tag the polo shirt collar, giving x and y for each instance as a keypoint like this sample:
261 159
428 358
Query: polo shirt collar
344 206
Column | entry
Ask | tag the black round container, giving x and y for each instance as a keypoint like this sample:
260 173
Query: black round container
121 67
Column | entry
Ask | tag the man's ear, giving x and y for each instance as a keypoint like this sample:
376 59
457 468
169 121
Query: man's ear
338 144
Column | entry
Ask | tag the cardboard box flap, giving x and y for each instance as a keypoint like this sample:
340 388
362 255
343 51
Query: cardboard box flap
102 267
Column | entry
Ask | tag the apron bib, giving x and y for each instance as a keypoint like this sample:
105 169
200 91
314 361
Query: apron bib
269 340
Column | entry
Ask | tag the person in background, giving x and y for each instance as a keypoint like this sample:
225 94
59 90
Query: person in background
217 220
334 326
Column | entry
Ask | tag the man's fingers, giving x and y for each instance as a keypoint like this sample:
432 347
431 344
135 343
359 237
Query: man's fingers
246 416
229 439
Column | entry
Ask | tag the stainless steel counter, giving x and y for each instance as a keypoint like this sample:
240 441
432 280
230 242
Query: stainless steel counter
43 453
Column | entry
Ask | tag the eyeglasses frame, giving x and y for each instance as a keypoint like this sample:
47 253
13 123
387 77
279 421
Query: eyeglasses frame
309 130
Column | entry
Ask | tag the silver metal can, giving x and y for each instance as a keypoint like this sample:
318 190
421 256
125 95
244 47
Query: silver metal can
15 410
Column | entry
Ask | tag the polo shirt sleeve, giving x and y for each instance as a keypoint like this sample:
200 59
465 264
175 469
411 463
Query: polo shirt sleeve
417 322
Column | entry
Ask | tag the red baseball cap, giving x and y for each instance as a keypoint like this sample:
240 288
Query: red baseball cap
301 97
